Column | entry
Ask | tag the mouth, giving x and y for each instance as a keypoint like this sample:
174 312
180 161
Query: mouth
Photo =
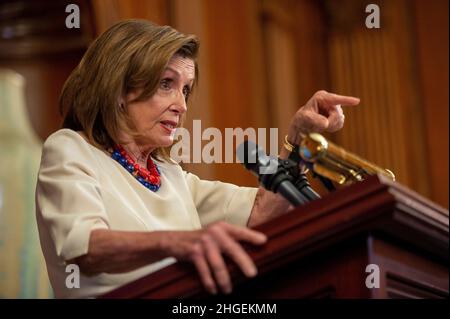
169 125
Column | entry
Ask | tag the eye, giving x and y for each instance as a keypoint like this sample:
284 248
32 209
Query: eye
165 84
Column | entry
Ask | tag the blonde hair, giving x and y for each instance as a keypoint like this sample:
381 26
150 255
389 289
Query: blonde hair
130 55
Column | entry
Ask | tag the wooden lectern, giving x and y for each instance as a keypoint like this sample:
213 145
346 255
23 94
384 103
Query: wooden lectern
373 239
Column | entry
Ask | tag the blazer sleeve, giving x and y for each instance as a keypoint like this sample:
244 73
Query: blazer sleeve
68 198
216 200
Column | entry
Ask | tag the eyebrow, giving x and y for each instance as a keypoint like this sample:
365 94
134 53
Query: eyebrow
178 74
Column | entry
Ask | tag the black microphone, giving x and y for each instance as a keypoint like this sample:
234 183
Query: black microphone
302 184
271 174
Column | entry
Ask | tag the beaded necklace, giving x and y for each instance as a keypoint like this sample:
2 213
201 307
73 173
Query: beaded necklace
150 177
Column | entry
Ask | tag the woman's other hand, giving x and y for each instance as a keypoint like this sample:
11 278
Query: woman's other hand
205 249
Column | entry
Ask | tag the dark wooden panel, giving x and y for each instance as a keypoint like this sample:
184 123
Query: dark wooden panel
334 272
407 272
31 29
431 25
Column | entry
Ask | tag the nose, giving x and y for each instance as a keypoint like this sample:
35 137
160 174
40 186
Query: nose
179 104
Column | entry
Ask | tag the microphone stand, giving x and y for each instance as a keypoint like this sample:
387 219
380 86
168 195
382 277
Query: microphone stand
299 180
282 182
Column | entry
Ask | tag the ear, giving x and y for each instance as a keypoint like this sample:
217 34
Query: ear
121 102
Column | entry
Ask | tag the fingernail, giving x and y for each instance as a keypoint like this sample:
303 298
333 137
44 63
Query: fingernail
252 272
263 238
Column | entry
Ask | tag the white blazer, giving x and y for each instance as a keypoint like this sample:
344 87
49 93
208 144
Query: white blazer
81 188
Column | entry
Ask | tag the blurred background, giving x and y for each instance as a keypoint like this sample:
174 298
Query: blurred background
260 60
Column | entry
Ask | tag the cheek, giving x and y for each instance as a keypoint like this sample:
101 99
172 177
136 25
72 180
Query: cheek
146 115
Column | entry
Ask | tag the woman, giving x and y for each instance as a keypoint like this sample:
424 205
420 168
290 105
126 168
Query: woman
109 198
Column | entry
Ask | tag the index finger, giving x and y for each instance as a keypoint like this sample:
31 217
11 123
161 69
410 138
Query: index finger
333 99
246 234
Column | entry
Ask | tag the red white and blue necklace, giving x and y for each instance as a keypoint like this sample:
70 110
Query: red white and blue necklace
149 176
